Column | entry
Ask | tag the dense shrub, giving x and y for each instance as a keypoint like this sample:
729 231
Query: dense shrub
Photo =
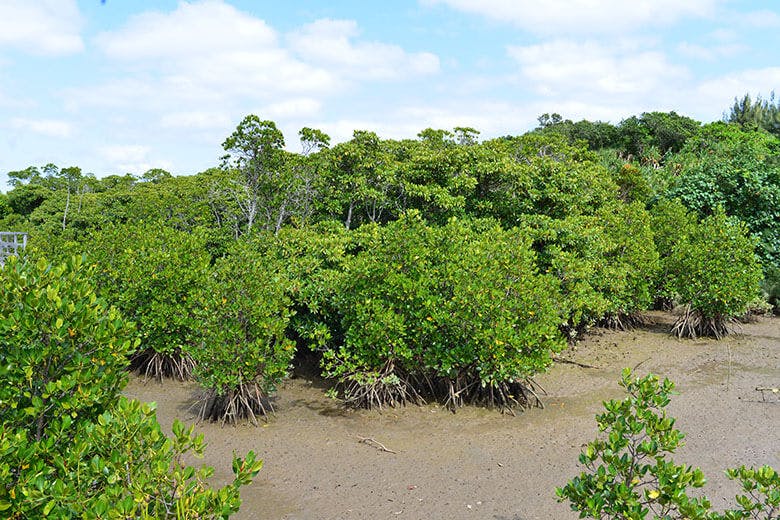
739 170
604 263
548 177
311 259
627 262
629 476
458 311
671 223
70 446
151 272
715 273
243 353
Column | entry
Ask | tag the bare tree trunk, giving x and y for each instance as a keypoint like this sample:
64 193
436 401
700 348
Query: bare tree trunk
67 205
348 222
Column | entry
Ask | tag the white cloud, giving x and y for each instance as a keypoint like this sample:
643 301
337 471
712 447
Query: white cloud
762 19
50 27
208 55
47 127
292 108
124 152
195 120
583 16
588 69
193 29
710 52
721 91
131 158
329 43
203 55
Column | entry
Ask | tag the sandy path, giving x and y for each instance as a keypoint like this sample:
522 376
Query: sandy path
481 464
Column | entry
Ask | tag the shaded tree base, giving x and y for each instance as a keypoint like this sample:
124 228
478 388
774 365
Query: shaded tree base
623 322
157 365
390 388
506 396
693 324
247 401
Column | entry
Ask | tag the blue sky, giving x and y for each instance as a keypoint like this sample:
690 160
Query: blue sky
130 85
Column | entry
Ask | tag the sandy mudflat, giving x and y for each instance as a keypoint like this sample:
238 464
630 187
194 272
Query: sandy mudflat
479 464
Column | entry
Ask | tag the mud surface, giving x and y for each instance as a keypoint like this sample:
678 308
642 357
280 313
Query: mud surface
481 464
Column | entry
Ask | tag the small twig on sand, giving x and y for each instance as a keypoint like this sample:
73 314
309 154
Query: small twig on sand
640 363
376 444
763 389
559 359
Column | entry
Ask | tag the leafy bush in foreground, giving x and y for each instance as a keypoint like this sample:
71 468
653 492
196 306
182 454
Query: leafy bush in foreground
629 477
70 446
458 311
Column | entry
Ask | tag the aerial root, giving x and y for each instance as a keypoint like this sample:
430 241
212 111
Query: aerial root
692 324
507 396
157 365
386 388
247 401
623 321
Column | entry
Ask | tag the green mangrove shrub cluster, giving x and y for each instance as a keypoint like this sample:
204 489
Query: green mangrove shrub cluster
605 264
243 353
715 273
151 272
629 475
458 311
70 445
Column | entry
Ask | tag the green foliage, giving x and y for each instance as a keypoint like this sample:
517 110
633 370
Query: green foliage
597 135
671 223
435 176
627 472
151 273
726 166
761 500
458 310
540 174
629 476
312 260
64 351
633 185
244 311
605 263
715 273
5 207
120 465
654 134
70 446
360 180
756 113
628 259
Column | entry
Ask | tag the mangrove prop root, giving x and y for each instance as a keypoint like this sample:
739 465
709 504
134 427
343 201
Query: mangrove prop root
505 395
157 365
692 324
247 401
623 321
388 388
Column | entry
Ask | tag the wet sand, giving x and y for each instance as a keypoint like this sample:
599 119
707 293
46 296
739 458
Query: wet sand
479 463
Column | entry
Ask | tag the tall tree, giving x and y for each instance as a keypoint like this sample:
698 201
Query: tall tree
759 112
255 150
